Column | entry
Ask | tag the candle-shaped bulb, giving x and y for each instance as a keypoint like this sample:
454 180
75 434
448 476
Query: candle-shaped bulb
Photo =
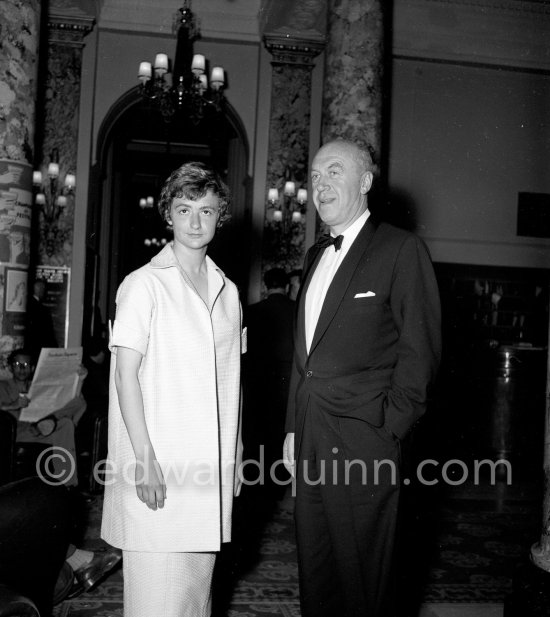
273 195
53 170
161 64
40 199
217 78
70 181
302 196
278 215
198 64
290 188
37 178
145 72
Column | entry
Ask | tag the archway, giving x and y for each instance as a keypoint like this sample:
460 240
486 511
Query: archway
137 150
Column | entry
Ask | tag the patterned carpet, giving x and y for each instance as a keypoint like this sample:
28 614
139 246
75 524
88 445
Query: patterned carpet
459 551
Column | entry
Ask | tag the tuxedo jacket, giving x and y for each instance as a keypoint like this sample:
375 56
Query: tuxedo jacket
377 344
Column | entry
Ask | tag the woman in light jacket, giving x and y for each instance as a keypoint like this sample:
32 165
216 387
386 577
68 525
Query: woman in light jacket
174 434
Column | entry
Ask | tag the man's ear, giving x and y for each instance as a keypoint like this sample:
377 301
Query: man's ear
366 182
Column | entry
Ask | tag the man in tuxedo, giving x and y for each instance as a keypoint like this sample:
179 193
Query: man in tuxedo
366 351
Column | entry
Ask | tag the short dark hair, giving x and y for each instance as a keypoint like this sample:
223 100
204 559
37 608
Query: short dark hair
21 351
192 181
276 278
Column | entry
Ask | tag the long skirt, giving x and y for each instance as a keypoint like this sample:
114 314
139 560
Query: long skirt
167 584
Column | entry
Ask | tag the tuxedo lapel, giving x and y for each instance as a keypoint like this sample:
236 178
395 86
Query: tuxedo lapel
342 279
312 259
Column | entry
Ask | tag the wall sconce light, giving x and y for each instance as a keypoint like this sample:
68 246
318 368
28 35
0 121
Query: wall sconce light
51 194
291 208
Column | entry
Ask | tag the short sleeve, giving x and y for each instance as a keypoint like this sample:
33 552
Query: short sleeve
132 323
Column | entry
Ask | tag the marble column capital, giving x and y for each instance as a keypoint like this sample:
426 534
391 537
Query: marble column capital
69 30
290 49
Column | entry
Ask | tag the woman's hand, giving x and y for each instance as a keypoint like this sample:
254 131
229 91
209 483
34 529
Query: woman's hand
150 486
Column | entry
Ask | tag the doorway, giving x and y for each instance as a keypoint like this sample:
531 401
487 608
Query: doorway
137 151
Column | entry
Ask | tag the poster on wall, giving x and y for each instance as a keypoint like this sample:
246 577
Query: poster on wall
15 301
15 241
15 212
56 298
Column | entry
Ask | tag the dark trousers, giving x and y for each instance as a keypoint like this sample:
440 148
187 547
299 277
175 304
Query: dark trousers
347 493
36 522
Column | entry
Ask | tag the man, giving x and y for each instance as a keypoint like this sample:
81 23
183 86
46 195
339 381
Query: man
367 347
294 280
40 328
267 373
57 429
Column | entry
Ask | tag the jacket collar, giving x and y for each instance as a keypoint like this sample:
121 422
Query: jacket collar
166 258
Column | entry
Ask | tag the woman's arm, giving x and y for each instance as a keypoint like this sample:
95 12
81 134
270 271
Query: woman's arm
150 486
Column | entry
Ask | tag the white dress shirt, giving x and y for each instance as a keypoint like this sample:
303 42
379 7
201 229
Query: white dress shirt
324 273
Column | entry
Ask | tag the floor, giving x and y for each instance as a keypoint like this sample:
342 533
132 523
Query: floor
466 539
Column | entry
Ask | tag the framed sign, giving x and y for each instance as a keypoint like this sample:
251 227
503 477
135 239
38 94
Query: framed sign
56 299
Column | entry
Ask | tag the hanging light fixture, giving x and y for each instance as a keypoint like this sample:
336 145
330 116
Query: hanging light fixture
187 87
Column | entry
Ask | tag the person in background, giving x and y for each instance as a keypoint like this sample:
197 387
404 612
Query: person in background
267 367
57 429
294 281
174 408
366 351
40 330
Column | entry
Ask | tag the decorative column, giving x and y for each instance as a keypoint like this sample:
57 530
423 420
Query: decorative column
293 33
354 68
288 160
58 143
19 28
60 121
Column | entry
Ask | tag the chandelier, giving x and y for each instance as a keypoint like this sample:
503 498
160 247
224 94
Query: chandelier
185 88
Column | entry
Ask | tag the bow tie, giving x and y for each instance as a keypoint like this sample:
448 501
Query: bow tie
328 240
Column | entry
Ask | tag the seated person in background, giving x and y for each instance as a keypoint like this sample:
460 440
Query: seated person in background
57 429
37 522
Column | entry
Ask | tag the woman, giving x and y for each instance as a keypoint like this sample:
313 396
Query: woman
174 433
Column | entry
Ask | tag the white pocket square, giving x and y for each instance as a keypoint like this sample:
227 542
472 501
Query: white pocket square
366 294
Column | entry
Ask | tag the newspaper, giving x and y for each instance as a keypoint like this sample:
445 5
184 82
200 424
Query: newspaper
56 381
